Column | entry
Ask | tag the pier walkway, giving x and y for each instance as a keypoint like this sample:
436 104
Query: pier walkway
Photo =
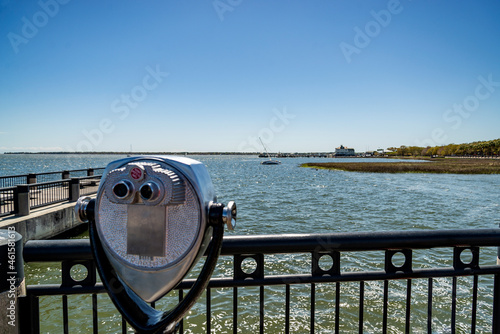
40 206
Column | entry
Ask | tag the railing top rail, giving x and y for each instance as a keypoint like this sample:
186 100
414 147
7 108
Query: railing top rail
12 176
361 241
8 188
54 182
50 173
86 169
34 185
55 172
88 177
79 249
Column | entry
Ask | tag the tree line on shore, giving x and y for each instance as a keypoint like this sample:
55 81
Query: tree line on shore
477 149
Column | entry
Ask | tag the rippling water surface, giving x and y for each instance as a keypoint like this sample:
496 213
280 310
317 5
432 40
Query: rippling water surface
276 199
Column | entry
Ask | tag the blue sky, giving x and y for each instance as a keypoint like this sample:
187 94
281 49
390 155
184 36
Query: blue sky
216 75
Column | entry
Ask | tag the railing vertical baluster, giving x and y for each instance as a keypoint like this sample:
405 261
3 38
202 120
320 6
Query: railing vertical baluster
313 302
496 305
261 309
385 307
7 201
43 196
209 310
361 305
95 322
181 323
50 194
287 309
408 306
29 309
453 304
65 313
235 310
67 189
474 305
337 307
32 199
124 326
429 306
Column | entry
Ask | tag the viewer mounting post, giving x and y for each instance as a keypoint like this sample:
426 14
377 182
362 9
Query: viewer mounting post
153 218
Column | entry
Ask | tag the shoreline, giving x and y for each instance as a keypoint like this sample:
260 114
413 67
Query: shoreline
434 166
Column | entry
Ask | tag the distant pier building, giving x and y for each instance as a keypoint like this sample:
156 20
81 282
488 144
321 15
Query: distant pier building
343 151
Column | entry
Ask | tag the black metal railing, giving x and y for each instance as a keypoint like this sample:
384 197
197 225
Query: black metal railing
7 201
22 198
89 185
11 181
47 193
334 280
14 180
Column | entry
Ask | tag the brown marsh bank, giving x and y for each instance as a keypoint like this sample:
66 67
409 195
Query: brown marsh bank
443 166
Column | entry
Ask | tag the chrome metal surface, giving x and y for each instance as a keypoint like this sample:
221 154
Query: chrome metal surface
153 242
229 215
81 209
123 190
149 191
146 230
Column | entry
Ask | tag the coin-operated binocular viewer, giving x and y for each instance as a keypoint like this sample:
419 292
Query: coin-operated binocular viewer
151 221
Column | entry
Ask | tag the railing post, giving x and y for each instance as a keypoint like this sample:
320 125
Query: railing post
65 174
496 305
90 172
74 189
22 200
12 283
31 178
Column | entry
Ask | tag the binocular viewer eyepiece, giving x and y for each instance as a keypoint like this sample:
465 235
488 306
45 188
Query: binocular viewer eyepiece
152 219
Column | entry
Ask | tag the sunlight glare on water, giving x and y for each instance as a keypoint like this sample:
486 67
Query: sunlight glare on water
284 198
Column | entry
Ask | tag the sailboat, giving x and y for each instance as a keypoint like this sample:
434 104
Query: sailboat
270 161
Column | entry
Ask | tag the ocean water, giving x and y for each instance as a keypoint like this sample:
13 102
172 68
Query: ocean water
288 199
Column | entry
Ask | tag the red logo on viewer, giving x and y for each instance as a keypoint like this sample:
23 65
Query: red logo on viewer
136 173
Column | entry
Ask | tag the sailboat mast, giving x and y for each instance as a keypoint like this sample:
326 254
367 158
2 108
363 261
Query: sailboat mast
265 149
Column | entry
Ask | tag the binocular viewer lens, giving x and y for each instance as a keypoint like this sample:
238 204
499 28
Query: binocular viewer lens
149 191
123 189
